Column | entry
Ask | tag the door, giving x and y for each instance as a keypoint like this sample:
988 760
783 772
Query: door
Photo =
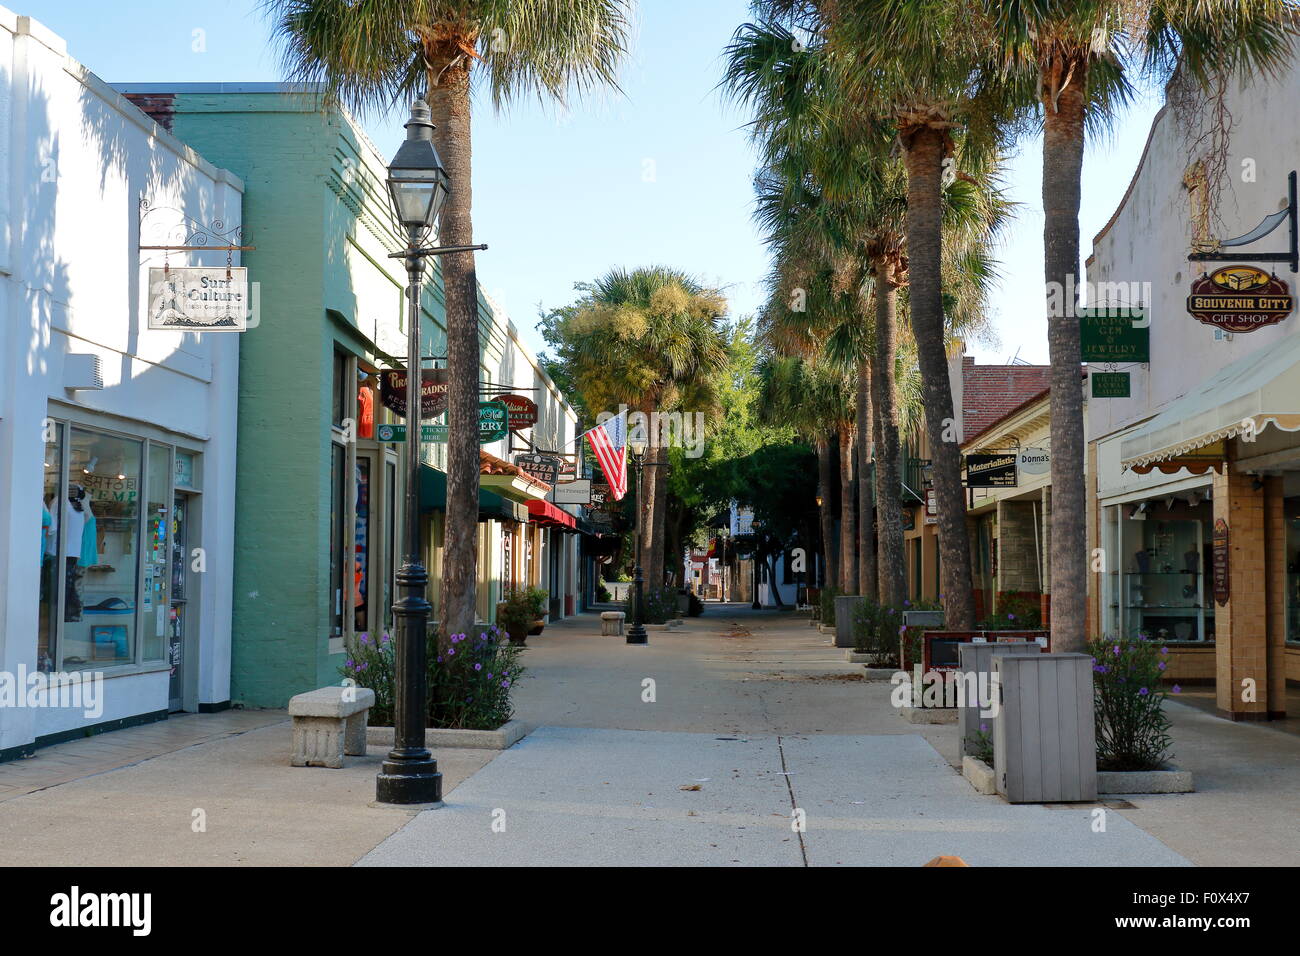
177 617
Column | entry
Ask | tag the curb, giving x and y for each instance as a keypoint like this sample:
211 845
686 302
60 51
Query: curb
503 738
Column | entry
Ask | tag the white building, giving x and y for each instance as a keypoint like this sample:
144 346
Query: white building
134 577
1207 438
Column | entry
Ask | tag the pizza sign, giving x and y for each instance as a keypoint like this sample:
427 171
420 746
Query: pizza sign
1240 299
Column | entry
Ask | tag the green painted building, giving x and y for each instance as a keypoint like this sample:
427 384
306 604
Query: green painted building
330 319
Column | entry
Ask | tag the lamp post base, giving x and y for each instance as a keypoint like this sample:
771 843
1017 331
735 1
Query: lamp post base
636 634
409 781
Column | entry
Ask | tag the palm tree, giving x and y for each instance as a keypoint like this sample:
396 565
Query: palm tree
648 338
371 57
1080 55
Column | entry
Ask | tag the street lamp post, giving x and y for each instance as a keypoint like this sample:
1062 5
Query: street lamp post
636 634
418 186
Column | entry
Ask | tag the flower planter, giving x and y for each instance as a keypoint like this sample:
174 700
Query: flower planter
1171 780
503 738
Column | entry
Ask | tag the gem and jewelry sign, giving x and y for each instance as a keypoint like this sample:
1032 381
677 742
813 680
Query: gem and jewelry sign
1240 299
198 300
1114 334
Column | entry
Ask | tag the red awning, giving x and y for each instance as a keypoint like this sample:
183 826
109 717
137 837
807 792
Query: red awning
548 516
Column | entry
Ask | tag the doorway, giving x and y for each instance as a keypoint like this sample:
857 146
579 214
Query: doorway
178 617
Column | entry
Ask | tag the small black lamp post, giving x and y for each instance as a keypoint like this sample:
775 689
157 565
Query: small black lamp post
636 634
418 186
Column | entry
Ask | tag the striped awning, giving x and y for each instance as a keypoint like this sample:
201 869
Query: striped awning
1242 399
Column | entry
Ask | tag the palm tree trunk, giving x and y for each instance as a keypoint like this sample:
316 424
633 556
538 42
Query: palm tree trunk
1063 140
848 568
888 478
450 105
923 160
867 564
830 550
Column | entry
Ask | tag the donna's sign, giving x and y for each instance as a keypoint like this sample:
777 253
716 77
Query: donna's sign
198 300
1240 299
1034 461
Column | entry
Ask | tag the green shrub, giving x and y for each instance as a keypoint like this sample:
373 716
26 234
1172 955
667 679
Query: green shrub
827 599
876 629
660 605
1016 613
602 594
979 744
1132 729
520 607
694 606
469 687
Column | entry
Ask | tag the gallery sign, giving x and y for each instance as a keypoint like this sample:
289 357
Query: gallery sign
492 420
1114 334
523 411
1110 384
433 391
1240 299
199 300
991 471
542 467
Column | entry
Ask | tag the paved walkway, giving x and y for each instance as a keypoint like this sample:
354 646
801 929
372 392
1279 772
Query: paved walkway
754 708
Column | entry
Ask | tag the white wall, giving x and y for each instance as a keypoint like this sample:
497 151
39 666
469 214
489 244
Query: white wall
75 158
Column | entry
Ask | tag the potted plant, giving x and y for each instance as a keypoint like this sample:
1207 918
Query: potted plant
520 613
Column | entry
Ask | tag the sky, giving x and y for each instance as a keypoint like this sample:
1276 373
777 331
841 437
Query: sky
658 173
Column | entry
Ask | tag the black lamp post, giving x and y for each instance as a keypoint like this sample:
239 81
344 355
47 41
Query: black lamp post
418 186
636 634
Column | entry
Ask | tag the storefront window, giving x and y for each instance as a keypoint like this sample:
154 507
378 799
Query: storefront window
1165 557
100 535
1292 510
338 469
157 572
47 639
361 570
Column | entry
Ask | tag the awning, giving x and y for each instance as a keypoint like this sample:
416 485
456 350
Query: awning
1256 390
433 497
549 516
509 481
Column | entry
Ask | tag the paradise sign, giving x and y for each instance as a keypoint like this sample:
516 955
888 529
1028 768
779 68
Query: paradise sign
433 391
1239 299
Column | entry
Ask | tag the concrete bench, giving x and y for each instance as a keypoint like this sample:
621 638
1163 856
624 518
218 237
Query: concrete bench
611 623
329 723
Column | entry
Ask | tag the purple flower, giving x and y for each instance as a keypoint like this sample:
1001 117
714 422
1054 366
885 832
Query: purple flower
1115 649
478 667
1161 666
1100 669
439 658
1164 650
505 683
482 637
365 638
1177 689
351 663
1142 692
906 603
384 638
984 728
489 677
451 652
1011 617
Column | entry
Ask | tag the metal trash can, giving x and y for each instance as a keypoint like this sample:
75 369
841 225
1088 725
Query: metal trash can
977 659
846 609
1044 740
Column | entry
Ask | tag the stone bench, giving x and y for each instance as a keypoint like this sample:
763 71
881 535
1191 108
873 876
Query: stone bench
611 623
329 723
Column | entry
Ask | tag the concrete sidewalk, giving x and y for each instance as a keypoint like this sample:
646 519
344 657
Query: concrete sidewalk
581 797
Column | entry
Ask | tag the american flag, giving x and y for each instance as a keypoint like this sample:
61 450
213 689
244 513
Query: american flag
609 442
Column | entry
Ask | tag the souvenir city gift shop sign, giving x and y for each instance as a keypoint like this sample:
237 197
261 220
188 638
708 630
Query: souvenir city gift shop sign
991 471
198 300
433 391
1239 299
1114 334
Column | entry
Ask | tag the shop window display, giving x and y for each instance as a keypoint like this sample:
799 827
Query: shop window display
46 643
1292 512
99 538
1164 591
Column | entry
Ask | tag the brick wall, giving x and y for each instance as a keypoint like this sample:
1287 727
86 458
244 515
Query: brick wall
1241 625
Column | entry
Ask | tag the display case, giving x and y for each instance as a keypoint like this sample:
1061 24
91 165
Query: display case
1163 591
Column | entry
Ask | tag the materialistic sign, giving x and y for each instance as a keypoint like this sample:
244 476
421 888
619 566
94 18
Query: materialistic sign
1114 334
1034 461
573 492
542 467
1240 299
199 300
991 471
1110 384
433 391
1219 561
397 433
493 417
523 411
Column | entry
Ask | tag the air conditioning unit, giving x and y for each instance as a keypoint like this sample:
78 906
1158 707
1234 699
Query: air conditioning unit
83 372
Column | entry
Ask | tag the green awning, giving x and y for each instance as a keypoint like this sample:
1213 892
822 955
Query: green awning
433 497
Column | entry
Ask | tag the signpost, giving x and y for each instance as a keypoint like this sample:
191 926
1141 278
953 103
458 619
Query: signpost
1109 334
1109 384
1219 561
433 391
199 300
991 471
1240 299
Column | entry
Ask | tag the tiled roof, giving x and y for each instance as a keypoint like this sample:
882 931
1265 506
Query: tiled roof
991 392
